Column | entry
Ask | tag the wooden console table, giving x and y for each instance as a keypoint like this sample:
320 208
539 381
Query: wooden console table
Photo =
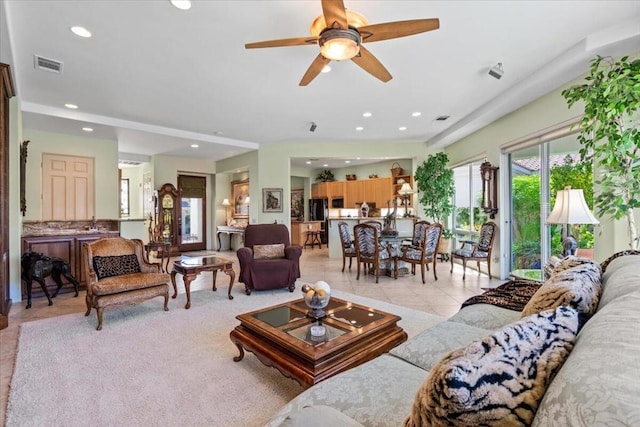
230 231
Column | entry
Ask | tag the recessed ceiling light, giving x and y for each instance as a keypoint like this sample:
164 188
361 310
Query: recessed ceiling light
326 69
308 162
194 146
402 128
325 165
347 161
181 4
367 114
359 128
87 129
80 31
71 106
416 114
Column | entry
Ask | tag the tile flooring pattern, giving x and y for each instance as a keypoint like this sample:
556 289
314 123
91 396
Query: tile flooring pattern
442 297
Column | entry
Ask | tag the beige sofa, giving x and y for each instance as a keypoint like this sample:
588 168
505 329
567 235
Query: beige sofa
118 272
598 384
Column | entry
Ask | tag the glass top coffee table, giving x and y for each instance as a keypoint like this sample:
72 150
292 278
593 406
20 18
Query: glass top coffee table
311 350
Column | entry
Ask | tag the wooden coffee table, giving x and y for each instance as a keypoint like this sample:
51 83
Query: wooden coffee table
280 336
191 268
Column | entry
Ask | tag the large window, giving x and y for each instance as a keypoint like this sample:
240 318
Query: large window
468 217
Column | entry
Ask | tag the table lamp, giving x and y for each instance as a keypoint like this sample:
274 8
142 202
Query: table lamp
570 208
226 205
405 190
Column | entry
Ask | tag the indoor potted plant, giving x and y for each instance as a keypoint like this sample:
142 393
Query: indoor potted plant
610 137
325 176
436 187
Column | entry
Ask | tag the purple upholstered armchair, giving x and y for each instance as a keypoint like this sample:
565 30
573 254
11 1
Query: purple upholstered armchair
268 260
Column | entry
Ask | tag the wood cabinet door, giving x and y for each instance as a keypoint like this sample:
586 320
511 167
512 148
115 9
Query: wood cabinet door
382 192
67 187
336 189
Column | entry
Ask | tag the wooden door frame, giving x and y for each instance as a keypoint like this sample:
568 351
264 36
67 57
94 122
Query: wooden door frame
7 92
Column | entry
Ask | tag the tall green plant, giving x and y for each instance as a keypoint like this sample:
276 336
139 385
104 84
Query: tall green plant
436 187
610 135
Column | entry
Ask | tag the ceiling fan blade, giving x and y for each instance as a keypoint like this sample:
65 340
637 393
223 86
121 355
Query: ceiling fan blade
334 13
371 65
392 30
314 69
295 41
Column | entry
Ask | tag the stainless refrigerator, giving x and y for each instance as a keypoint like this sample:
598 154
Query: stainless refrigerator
319 211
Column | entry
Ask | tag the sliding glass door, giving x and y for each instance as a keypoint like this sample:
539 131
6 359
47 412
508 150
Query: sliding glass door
536 173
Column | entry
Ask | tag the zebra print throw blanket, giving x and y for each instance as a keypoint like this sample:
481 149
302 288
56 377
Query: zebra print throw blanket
513 295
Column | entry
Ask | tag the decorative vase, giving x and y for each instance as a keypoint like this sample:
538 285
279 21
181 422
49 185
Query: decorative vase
364 210
317 297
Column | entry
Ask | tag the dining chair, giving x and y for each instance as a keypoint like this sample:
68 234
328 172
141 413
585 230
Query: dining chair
348 247
476 251
423 247
368 249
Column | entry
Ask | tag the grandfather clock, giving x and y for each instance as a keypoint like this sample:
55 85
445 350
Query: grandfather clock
489 189
168 199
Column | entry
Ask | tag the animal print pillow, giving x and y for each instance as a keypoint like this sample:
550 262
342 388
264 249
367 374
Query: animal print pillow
500 379
109 266
268 251
578 287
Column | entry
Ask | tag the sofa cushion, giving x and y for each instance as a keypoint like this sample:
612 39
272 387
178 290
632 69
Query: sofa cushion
620 278
128 282
485 316
108 266
376 393
268 251
499 379
318 416
428 347
599 384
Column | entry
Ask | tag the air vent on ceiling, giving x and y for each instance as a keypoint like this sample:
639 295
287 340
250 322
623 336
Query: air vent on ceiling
442 118
46 64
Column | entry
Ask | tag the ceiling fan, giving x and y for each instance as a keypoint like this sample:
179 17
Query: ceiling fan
340 33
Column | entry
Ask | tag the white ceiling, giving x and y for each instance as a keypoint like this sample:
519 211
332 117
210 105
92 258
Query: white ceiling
158 79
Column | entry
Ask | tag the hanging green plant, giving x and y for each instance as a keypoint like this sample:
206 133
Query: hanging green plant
610 135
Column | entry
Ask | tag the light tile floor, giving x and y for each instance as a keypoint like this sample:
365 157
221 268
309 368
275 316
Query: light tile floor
442 297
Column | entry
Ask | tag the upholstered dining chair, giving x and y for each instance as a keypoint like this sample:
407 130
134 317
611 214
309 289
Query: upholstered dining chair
348 247
423 247
476 251
368 249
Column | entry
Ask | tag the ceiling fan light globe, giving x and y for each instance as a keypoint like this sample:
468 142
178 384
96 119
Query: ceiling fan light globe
339 45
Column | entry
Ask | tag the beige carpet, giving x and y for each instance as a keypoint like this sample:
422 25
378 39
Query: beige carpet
150 367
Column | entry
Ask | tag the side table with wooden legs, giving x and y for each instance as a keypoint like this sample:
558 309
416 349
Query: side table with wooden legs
190 270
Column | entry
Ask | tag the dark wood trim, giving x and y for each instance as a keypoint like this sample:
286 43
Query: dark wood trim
8 91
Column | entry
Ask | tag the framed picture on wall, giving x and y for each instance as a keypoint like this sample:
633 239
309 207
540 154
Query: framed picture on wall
297 203
272 200
240 194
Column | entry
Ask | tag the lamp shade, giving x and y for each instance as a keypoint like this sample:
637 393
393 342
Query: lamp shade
405 189
571 208
226 202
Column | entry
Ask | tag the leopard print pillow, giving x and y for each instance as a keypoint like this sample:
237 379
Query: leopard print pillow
500 379
109 266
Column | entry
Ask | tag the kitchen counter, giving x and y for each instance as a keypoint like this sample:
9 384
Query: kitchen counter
299 230
69 228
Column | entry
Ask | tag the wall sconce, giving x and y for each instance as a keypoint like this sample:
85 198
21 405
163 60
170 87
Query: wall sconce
489 189
570 208
226 205
405 190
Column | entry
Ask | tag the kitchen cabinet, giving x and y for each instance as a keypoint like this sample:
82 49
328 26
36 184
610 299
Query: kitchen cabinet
319 190
335 189
69 248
